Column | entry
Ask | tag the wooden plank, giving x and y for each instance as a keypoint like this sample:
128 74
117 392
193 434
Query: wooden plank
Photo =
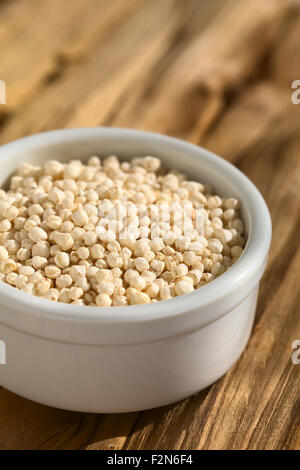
60 42
207 70
26 425
70 83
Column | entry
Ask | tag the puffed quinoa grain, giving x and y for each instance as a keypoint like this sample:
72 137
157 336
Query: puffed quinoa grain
103 300
152 291
41 249
217 268
52 294
7 266
52 271
236 251
39 262
215 245
67 236
83 252
104 275
183 287
63 240
53 168
114 260
26 270
3 253
54 221
62 260
141 264
138 297
43 287
196 275
5 225
105 287
80 217
11 278
83 283
63 281
89 238
165 293
157 266
181 270
75 293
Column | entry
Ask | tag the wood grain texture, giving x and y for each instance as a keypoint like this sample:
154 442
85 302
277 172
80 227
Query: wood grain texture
219 74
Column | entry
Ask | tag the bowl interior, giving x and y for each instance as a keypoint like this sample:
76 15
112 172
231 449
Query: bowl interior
198 166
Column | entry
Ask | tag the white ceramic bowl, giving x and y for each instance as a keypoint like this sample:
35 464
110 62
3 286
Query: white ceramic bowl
121 359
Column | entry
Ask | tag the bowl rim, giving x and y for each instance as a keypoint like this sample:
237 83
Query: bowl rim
210 295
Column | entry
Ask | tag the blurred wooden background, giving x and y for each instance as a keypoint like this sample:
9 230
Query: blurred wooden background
215 72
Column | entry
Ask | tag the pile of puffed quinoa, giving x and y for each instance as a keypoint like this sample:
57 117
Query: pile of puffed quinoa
63 234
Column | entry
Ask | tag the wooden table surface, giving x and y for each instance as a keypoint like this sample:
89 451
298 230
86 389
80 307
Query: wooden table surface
217 73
